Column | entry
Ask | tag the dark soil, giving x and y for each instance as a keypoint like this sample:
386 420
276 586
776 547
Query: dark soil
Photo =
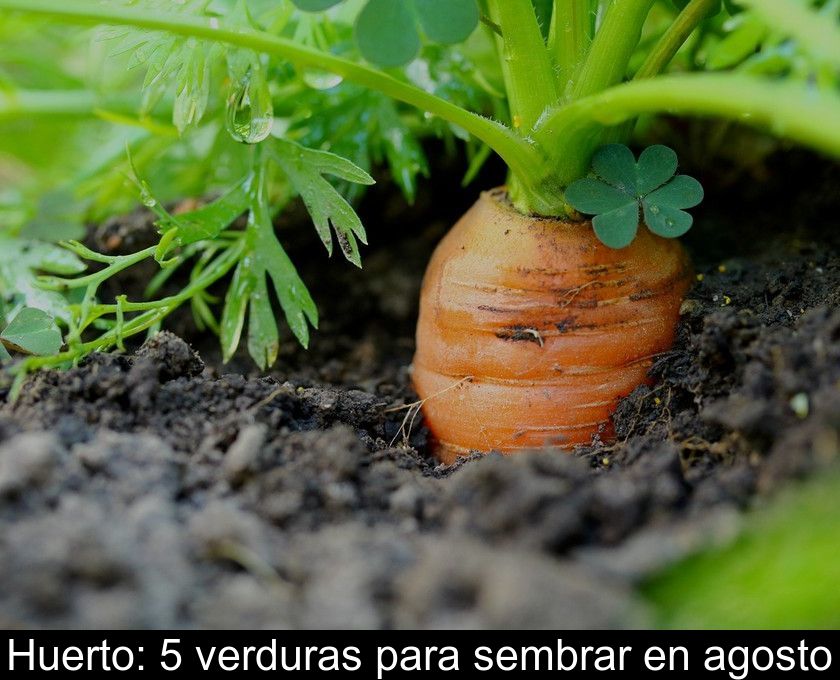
160 490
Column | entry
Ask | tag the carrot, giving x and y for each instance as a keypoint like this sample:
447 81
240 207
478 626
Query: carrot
531 329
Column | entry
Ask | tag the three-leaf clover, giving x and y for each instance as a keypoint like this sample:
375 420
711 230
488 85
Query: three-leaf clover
620 188
388 31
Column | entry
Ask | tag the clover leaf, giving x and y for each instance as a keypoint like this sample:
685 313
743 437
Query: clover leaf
388 31
620 188
315 5
31 331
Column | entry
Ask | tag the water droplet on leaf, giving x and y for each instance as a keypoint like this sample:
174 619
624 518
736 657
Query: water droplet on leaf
250 112
146 197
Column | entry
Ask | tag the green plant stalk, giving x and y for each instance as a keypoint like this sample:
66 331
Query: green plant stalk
156 312
569 39
529 82
614 43
605 65
69 103
815 32
664 51
64 103
526 66
519 155
116 264
674 38
742 98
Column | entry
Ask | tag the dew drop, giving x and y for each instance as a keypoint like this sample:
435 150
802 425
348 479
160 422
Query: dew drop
250 112
146 197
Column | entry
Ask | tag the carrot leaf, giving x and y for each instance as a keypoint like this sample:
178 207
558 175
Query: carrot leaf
305 170
620 189
210 220
367 129
267 260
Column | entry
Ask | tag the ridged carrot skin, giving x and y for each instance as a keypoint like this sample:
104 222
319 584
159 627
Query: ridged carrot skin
531 329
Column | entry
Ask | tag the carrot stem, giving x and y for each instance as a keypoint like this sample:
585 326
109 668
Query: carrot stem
526 66
569 39
19 103
617 37
750 100
674 38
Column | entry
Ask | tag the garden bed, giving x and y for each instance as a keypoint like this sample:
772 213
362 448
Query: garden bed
159 488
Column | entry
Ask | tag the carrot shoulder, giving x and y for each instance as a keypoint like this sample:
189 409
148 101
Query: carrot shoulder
531 330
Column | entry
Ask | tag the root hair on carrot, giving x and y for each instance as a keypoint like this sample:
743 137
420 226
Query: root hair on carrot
413 410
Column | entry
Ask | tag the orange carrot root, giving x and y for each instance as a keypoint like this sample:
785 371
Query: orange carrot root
544 327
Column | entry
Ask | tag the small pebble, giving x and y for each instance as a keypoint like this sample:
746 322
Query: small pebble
800 405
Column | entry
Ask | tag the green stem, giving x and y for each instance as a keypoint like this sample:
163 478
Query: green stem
605 65
526 66
612 47
753 101
529 81
674 38
17 103
219 268
117 264
516 152
569 39
663 52
64 103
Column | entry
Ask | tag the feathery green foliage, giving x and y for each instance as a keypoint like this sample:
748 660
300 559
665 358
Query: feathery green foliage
247 104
